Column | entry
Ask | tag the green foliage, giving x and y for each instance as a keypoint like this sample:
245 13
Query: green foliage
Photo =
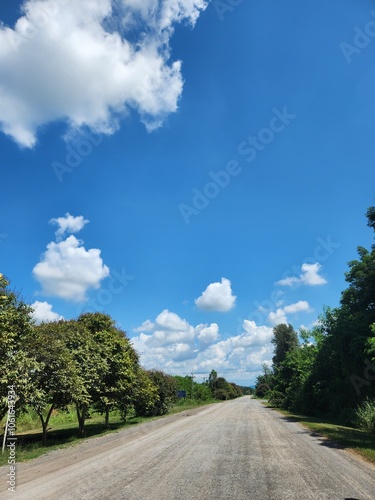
194 390
333 374
264 382
55 380
276 398
293 373
115 389
212 380
145 394
285 339
166 391
15 362
365 415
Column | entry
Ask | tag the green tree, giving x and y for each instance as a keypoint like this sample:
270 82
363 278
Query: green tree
166 386
91 365
212 380
167 391
285 339
145 394
337 381
264 382
55 380
15 362
116 383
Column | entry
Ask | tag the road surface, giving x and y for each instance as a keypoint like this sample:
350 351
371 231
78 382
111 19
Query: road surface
233 450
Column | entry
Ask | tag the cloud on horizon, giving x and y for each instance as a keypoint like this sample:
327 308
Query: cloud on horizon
199 349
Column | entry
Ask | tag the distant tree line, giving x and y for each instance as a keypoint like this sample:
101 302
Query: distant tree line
86 362
330 370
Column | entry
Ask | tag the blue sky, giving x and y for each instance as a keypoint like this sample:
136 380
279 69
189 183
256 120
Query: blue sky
221 152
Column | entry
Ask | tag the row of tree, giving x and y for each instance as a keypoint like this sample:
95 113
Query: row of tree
213 388
86 362
331 369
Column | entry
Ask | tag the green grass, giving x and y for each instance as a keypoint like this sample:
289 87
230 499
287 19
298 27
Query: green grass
356 440
64 430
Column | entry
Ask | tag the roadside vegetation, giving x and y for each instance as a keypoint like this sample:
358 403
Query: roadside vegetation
357 440
63 428
71 379
328 373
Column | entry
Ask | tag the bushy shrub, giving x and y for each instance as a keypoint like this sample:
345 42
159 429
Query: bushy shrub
365 415
276 398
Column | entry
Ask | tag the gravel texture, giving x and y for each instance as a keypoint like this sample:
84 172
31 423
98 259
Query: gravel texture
233 450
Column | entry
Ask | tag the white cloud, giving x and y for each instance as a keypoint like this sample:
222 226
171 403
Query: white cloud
67 270
309 276
207 334
68 224
279 316
88 63
146 326
200 350
255 335
301 305
171 321
217 297
43 312
171 335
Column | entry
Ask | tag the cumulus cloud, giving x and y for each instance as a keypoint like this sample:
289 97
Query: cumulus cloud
207 334
146 326
309 276
217 297
89 63
42 312
279 316
68 224
170 333
199 349
67 270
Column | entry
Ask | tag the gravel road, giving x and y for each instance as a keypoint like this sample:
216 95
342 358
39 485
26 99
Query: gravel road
233 450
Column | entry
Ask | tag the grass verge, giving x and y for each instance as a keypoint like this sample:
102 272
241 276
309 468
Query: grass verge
355 440
64 431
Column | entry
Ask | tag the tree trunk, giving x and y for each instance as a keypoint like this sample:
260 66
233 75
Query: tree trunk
81 415
107 417
45 423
